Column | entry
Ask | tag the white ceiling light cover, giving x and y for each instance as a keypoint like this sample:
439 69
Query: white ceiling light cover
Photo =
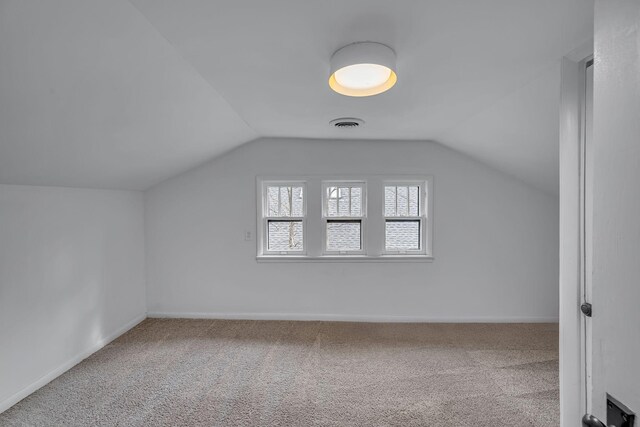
363 69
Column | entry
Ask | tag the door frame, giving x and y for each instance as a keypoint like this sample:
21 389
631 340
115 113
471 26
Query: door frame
573 383
586 234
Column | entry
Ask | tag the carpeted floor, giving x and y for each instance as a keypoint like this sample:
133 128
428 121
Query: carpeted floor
259 373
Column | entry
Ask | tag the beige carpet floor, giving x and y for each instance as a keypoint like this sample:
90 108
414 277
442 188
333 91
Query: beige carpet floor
259 373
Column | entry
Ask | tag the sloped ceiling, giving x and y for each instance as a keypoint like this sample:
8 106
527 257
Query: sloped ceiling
91 95
124 94
519 133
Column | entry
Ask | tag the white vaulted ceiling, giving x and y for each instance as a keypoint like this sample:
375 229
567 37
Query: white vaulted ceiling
124 94
91 95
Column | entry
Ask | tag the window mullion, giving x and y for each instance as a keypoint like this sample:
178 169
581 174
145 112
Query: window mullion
395 212
279 201
407 201
325 201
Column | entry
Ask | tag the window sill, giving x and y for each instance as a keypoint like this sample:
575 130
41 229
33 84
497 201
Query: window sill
344 258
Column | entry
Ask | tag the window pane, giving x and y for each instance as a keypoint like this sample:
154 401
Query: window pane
402 235
414 200
344 201
297 206
284 201
332 201
286 196
390 201
272 201
356 201
343 236
402 201
284 236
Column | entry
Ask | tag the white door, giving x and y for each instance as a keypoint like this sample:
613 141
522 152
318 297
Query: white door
612 220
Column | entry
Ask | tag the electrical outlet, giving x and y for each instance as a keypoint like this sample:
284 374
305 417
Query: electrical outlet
248 236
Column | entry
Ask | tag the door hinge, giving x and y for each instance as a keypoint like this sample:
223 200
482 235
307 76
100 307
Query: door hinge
586 309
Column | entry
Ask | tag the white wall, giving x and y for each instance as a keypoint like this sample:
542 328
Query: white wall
71 278
616 200
495 245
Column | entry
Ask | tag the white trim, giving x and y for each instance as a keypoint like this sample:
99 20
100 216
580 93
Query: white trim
425 215
362 218
47 378
264 218
572 388
373 221
346 317
586 225
345 258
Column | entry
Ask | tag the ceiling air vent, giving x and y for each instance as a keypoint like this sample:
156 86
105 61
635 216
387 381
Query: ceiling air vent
347 123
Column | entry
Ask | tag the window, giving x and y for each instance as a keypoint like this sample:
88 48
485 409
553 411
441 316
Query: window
404 218
363 218
283 213
343 216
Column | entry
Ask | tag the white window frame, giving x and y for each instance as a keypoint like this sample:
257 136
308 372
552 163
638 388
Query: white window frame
373 233
361 219
263 230
424 216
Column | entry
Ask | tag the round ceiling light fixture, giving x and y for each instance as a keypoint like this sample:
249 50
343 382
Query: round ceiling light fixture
363 69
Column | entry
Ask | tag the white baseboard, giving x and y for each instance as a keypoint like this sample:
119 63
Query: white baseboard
7 403
346 317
